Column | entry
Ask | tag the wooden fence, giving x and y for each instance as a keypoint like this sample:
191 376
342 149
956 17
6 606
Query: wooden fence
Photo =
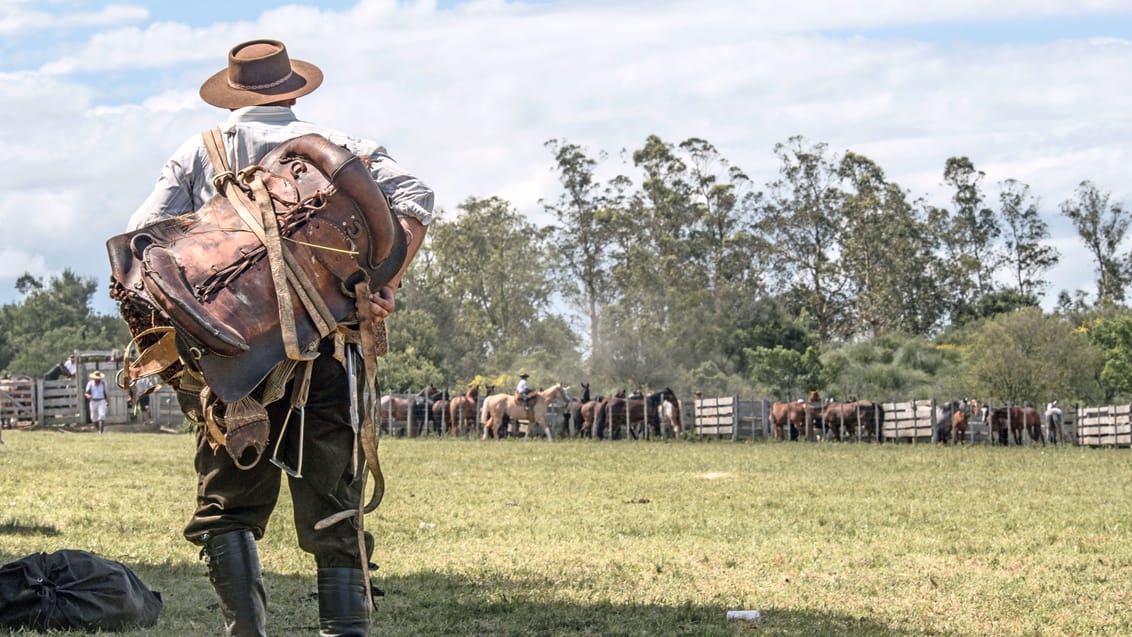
1108 426
914 421
27 401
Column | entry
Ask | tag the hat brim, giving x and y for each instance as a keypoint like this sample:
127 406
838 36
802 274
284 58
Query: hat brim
305 78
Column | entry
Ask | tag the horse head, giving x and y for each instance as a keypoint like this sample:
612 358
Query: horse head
555 392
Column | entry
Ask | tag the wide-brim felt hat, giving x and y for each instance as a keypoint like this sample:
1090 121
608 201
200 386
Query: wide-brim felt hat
260 72
97 375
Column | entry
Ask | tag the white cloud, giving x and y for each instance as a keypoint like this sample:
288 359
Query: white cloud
15 262
16 19
467 97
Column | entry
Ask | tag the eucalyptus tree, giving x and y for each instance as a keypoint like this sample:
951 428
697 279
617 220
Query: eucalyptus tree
654 273
969 237
1023 230
582 237
888 254
492 268
732 253
804 218
1102 226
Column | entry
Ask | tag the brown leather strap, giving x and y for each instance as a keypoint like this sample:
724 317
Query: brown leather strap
282 264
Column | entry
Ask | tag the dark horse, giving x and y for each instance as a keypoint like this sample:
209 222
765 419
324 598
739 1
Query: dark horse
636 413
1006 422
57 372
416 409
573 412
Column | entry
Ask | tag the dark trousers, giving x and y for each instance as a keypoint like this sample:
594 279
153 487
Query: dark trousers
233 499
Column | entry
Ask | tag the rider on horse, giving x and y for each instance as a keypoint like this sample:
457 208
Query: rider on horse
522 391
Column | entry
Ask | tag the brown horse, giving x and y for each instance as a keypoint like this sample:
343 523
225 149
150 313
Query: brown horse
1004 420
500 405
849 418
439 411
588 412
462 411
796 419
960 419
1032 421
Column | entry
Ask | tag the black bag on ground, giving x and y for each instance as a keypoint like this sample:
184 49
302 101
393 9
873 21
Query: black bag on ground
71 589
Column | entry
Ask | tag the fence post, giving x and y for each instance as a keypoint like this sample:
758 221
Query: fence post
39 418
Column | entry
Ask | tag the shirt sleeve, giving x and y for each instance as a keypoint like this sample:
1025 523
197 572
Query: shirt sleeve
408 196
172 195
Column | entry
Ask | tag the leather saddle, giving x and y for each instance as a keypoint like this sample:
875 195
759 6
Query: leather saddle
264 273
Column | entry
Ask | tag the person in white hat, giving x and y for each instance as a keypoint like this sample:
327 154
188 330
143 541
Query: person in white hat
522 389
95 394
259 86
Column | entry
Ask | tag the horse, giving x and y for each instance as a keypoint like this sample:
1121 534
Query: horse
439 410
960 419
496 407
670 413
797 418
588 411
462 411
851 416
57 371
416 409
1005 421
1032 421
573 411
635 412
1053 422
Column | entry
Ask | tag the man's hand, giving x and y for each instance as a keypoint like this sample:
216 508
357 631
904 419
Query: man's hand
382 302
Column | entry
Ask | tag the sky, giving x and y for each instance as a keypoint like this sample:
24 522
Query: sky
95 96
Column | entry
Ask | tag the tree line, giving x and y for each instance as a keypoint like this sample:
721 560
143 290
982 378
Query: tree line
673 268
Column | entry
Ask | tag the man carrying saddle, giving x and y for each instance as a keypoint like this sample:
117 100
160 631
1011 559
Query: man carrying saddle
320 451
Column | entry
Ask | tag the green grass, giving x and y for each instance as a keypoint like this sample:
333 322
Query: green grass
636 538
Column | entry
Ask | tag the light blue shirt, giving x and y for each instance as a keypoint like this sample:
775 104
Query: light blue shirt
97 390
185 183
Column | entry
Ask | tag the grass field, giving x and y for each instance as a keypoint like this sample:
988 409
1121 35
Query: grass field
636 538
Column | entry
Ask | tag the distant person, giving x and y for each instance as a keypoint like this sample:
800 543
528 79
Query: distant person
522 390
64 369
95 393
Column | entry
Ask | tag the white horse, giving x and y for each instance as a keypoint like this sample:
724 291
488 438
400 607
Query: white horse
670 417
1053 422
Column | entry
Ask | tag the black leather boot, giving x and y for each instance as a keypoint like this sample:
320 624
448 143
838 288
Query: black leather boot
233 569
343 609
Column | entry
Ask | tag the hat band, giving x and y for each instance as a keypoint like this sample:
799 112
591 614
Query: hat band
260 87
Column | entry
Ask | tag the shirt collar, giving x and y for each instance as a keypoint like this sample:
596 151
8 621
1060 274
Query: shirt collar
265 114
